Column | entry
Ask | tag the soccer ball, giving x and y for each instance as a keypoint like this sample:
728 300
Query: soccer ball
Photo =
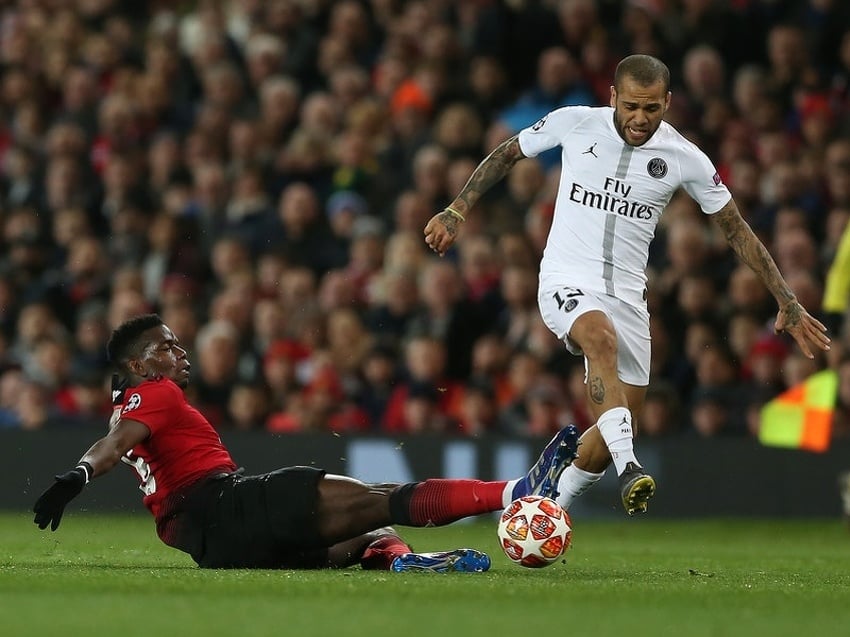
534 531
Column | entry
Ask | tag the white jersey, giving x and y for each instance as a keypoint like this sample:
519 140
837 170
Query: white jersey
611 196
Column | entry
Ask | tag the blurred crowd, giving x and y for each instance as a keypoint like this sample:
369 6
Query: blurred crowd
259 173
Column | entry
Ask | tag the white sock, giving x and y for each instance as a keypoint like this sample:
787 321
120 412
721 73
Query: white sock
507 494
573 482
615 425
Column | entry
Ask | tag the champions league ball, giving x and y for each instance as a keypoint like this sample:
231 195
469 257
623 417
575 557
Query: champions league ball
534 531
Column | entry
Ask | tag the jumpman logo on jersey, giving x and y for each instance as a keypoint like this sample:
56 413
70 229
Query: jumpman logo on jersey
591 151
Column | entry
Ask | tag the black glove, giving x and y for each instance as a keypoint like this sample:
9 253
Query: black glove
119 387
51 505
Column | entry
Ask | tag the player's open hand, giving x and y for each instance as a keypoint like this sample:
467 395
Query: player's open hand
806 329
51 505
441 230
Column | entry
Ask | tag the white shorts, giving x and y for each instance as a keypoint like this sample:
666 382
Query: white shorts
561 305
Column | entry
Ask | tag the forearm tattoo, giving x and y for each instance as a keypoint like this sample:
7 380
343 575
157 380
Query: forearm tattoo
752 252
597 390
490 171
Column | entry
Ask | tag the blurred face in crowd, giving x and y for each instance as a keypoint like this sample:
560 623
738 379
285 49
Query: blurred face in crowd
91 332
518 287
479 411
425 358
710 418
379 369
269 320
715 368
31 405
524 370
745 290
486 77
526 180
218 354
229 255
439 285
699 337
248 406
52 358
124 305
402 291
345 329
837 171
298 207
34 321
638 110
556 70
68 224
420 415
786 49
688 246
836 222
744 329
660 413
489 355
11 385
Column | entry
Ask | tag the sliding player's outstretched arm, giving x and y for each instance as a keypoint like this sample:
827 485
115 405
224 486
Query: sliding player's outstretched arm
792 317
441 230
101 457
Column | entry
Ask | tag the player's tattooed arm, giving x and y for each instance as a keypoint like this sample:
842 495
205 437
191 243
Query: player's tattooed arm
752 251
442 229
792 317
489 172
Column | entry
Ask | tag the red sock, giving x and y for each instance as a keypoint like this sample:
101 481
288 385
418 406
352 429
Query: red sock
438 502
380 553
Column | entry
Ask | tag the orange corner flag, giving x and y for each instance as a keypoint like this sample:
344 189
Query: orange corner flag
801 417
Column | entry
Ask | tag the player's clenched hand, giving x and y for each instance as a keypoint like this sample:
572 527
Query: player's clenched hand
51 505
806 329
441 231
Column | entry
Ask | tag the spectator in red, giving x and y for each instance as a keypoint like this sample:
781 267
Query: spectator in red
281 368
424 367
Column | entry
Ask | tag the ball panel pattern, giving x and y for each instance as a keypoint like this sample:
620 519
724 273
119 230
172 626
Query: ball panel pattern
534 531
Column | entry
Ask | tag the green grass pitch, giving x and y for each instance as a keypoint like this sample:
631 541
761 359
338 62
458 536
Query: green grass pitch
109 575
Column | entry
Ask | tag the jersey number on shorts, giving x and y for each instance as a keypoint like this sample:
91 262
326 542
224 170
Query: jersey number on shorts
566 298
148 485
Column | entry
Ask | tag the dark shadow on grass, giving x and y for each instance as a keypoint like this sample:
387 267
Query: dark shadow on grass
103 567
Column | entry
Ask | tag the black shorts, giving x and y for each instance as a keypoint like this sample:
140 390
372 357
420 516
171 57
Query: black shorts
263 521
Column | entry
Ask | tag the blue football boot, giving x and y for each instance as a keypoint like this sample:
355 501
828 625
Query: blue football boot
459 560
542 478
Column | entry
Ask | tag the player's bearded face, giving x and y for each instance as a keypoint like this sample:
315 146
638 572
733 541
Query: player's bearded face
638 110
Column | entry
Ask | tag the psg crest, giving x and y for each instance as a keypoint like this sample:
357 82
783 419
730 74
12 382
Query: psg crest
656 167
